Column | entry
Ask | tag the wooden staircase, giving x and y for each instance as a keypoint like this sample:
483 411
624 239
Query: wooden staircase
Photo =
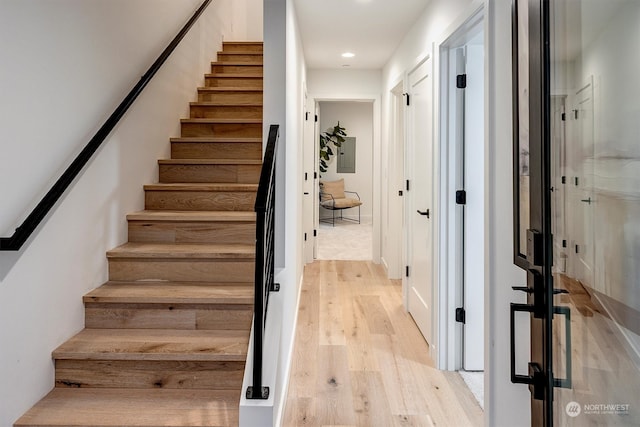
165 339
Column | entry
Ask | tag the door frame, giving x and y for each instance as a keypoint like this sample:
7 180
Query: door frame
395 233
537 260
310 170
447 244
376 210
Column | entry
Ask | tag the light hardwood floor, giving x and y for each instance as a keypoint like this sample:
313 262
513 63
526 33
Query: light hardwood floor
359 359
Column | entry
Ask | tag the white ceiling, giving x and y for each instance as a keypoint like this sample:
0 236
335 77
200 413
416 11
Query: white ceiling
371 29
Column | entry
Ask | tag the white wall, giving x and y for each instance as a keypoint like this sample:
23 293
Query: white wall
506 404
66 64
285 74
353 84
357 119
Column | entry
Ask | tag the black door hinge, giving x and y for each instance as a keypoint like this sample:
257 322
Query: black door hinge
305 237
461 81
406 271
407 188
306 176
306 116
400 193
564 243
315 233
564 179
461 197
461 315
408 97
316 117
564 117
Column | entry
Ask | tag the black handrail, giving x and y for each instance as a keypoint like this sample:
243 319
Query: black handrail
24 231
265 250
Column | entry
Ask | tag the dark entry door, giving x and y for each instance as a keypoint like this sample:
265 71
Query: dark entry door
577 210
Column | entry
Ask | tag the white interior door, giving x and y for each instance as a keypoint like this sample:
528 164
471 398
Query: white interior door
396 188
308 181
582 184
420 280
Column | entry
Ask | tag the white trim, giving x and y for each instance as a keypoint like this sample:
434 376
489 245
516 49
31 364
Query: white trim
444 266
285 387
377 126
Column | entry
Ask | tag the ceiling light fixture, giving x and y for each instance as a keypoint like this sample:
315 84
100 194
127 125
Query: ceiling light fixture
348 55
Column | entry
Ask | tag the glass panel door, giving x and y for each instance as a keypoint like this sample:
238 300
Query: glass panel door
594 155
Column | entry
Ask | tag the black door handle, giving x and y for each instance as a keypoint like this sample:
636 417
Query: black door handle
566 311
426 213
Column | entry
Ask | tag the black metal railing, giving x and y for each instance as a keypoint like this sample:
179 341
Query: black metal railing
29 225
265 252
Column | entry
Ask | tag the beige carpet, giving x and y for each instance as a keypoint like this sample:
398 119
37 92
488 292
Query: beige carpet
345 241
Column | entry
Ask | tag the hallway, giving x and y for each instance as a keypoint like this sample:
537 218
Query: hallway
360 360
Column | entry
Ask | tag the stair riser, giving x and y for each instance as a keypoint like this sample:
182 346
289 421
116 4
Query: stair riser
237 97
226 112
195 232
189 270
218 67
240 174
242 47
216 150
233 82
200 200
164 316
149 374
222 130
240 57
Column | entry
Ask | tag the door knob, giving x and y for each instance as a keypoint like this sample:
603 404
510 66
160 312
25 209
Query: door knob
586 200
426 213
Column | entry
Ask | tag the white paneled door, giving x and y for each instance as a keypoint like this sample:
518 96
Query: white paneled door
420 194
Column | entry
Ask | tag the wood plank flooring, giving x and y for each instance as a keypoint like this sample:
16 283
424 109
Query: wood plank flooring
359 359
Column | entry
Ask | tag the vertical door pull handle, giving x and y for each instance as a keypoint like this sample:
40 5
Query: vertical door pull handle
566 311
536 378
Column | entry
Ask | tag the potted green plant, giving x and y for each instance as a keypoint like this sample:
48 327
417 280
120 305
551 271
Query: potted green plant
332 137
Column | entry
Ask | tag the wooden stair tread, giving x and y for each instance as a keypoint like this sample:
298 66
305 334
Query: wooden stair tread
209 162
233 76
201 187
171 293
230 89
134 407
237 63
222 121
193 216
227 52
155 344
183 250
207 139
224 104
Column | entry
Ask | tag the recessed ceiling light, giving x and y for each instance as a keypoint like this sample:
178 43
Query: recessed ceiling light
348 55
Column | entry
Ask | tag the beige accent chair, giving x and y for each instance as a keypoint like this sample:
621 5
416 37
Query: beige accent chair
334 198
